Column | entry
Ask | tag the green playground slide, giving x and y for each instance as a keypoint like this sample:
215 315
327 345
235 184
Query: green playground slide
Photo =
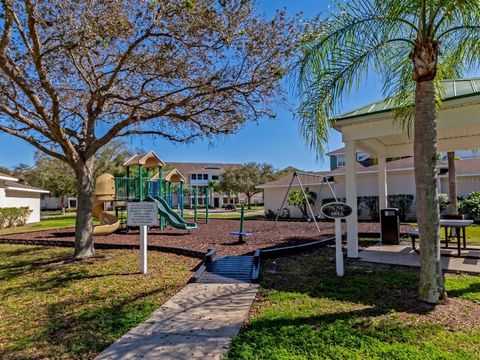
171 216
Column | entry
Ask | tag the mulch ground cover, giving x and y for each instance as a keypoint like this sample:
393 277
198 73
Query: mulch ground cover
215 234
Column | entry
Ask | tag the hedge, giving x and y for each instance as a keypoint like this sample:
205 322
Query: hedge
403 202
14 216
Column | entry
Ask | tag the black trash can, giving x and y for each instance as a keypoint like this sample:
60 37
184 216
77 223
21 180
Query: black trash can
390 226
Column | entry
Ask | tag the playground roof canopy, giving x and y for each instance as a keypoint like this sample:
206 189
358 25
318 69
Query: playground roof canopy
173 176
148 160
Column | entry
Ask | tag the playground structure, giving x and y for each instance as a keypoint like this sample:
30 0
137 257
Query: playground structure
147 179
241 233
104 192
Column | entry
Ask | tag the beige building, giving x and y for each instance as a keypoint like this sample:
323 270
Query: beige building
199 175
400 183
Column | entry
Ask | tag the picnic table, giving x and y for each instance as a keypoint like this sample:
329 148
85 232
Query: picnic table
454 230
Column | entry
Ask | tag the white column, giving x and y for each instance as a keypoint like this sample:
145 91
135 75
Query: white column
351 192
382 183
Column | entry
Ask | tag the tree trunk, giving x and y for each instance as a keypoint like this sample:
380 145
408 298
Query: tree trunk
249 201
431 288
84 221
452 183
63 204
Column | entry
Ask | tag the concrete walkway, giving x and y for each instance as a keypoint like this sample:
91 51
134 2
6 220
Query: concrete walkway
197 323
405 256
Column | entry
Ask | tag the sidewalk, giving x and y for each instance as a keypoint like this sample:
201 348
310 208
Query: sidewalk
197 323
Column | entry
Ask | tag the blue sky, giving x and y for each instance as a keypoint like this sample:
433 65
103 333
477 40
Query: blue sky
274 141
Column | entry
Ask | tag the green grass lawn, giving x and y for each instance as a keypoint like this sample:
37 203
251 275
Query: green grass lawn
57 222
305 312
473 234
44 224
53 307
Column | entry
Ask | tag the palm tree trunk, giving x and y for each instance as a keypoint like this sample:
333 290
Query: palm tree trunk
452 183
431 288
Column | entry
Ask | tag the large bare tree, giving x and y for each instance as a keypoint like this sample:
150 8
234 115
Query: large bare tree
75 74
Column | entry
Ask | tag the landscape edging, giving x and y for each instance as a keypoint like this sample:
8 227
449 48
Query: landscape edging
67 243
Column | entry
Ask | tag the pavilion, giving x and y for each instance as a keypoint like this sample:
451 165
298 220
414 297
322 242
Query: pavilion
373 129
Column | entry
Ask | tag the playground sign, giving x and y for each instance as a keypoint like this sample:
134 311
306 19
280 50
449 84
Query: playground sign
142 214
337 211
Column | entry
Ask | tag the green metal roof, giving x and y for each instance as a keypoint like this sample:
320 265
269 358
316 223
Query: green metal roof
453 89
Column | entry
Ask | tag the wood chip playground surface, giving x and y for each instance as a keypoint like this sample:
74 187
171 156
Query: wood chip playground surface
215 234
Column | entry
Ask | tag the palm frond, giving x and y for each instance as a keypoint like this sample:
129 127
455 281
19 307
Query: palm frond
361 37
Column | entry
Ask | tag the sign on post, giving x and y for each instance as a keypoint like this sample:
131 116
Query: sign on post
337 211
142 214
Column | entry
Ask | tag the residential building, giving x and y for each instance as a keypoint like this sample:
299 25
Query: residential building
16 195
199 175
400 183
56 203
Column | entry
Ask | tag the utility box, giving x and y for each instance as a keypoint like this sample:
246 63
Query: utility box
390 226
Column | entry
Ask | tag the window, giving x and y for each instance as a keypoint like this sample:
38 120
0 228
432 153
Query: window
199 176
215 177
194 176
205 176
340 160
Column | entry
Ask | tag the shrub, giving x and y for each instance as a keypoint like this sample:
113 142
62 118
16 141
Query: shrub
470 206
403 203
297 198
444 201
14 216
269 214
330 200
371 202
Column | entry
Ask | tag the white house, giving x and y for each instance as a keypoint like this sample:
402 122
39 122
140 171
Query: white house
14 194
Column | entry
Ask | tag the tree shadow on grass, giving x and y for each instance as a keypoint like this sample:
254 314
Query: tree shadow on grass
83 331
340 335
381 287
470 291
19 251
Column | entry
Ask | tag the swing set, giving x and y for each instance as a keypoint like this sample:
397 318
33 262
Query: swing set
296 176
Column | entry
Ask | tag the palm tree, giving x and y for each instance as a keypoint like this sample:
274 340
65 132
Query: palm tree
411 45
214 187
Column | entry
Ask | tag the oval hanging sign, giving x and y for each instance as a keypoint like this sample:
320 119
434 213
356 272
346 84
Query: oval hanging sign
336 210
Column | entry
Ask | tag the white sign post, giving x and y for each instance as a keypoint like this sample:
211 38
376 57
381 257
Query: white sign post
142 214
338 247
337 211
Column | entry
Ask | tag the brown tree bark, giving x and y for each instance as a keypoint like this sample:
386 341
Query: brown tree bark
452 183
431 288
84 246
249 200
